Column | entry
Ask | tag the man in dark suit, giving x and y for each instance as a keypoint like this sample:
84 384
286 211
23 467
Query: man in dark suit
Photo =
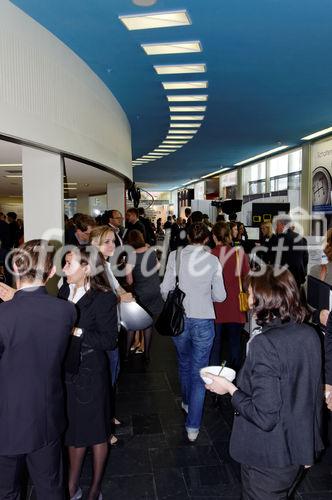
133 222
290 249
34 333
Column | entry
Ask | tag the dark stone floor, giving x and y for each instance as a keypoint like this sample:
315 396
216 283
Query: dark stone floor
157 461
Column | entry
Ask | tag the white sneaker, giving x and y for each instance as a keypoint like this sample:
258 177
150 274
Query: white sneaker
184 407
192 435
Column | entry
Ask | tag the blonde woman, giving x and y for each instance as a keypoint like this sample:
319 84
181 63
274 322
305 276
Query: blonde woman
103 238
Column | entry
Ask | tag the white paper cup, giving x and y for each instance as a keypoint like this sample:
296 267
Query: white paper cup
226 372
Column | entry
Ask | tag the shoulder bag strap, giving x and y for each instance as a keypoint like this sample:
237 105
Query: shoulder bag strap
238 269
177 262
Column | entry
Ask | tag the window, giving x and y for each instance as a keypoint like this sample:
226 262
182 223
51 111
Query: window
253 178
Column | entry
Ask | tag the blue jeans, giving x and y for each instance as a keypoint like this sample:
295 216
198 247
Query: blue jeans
193 349
231 331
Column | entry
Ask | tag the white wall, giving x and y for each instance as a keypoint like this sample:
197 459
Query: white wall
50 97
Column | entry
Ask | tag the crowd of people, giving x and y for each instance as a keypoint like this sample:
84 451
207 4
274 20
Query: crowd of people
278 394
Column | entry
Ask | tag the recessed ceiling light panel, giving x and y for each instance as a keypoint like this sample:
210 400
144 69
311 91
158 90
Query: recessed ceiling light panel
172 69
175 142
179 137
187 109
153 49
262 155
182 131
184 85
156 20
187 98
185 125
186 117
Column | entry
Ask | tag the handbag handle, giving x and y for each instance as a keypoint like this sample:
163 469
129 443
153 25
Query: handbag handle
238 269
177 261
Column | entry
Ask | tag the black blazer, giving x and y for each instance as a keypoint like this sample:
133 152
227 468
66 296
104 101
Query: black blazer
278 404
295 254
328 350
97 317
34 334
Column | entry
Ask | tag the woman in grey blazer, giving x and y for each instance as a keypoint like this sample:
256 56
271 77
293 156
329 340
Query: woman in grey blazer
278 394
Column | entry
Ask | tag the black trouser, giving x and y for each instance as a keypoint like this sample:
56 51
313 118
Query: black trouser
45 469
268 483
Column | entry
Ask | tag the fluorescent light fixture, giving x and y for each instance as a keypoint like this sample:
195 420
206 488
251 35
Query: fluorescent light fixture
186 117
176 69
266 153
70 189
10 164
146 157
216 172
187 98
172 137
184 85
316 134
173 188
175 142
70 183
171 131
163 153
185 125
14 176
156 20
163 149
187 109
166 146
154 49
190 182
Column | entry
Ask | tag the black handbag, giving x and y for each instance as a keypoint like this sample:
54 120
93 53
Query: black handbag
171 319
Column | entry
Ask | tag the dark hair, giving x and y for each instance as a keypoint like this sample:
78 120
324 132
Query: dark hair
34 260
95 259
136 239
276 297
12 215
187 211
83 221
232 216
198 232
196 216
132 211
222 231
141 211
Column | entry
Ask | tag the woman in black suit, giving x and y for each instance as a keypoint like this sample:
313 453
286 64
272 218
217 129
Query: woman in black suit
87 378
278 396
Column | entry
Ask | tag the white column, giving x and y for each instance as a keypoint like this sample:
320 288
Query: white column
116 196
83 204
43 210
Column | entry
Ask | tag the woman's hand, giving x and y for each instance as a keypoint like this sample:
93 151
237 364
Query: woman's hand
127 297
220 385
323 316
6 292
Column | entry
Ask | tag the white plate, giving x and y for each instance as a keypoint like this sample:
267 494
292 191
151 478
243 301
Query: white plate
228 373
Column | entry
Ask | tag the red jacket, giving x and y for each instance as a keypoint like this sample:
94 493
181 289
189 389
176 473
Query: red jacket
229 310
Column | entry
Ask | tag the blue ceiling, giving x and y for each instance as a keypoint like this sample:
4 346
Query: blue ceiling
269 69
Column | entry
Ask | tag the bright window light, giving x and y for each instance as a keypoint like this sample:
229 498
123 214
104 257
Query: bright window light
175 142
172 69
316 134
187 109
182 131
184 85
185 125
186 117
266 153
186 98
179 137
156 20
153 49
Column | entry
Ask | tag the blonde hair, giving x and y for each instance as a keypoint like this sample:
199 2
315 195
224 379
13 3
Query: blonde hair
99 234
268 226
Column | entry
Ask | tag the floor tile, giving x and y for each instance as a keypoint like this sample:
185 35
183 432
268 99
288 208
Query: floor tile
183 456
146 424
212 481
170 484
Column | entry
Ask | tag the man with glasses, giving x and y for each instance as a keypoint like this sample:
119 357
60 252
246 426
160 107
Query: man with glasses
114 219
